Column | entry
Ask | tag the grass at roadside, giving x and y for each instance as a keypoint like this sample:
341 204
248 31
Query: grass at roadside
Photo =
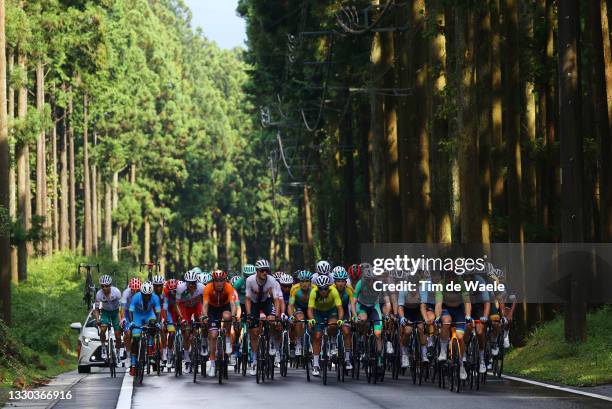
40 344
547 357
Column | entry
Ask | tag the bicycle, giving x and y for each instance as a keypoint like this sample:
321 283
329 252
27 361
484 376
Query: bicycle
496 361
305 359
326 358
265 362
394 359
473 358
414 353
111 356
245 349
178 352
142 355
453 365
284 349
221 358
197 347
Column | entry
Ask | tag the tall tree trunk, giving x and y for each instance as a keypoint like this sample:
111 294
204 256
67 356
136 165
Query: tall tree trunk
484 102
572 222
161 247
64 231
215 237
605 145
471 217
54 179
5 256
512 126
117 232
497 174
350 239
243 249
228 244
440 177
22 154
377 140
41 166
108 215
71 178
146 240
391 164
12 174
308 239
94 201
87 215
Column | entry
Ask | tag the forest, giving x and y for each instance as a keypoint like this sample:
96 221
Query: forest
125 130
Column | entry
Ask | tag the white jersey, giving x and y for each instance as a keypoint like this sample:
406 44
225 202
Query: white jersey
188 299
126 298
110 302
259 293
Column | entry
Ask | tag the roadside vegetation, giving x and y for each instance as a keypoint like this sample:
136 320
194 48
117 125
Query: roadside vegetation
40 344
548 357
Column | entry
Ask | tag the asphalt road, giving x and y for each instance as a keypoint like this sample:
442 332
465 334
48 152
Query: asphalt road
99 391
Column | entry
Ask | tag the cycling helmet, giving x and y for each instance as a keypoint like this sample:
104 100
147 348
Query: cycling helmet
135 284
219 275
171 284
262 264
158 280
355 272
198 270
339 273
147 288
323 282
368 271
191 276
304 275
323 267
234 280
277 275
248 270
286 279
106 280
496 274
205 277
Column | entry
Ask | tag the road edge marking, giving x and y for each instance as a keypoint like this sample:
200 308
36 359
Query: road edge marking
125 396
559 388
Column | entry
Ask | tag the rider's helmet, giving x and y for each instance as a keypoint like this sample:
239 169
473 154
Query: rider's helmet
147 288
323 267
323 282
262 264
248 270
191 276
135 284
106 280
158 280
219 275
171 284
234 279
285 279
339 274
355 272
277 275
205 277
304 275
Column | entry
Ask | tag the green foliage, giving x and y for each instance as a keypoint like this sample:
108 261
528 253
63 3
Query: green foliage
548 357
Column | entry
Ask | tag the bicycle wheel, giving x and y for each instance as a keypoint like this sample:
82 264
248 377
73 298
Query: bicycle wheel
157 344
355 355
219 357
112 358
143 358
178 354
456 366
195 357
340 362
284 363
244 353
306 355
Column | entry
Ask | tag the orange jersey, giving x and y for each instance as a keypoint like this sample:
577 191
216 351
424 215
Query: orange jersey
219 298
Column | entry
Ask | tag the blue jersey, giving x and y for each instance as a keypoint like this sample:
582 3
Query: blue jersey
137 306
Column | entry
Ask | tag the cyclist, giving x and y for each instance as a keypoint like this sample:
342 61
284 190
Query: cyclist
481 307
263 295
298 306
453 306
502 311
144 309
158 288
354 273
323 268
219 305
341 277
170 315
367 302
324 305
126 299
189 297
412 308
286 283
108 299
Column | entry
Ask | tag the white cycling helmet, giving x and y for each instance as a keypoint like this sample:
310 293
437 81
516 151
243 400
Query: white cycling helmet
262 264
286 279
106 280
205 277
158 280
323 267
191 276
322 282
146 288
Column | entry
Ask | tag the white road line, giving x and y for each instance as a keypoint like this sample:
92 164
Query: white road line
125 397
559 388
